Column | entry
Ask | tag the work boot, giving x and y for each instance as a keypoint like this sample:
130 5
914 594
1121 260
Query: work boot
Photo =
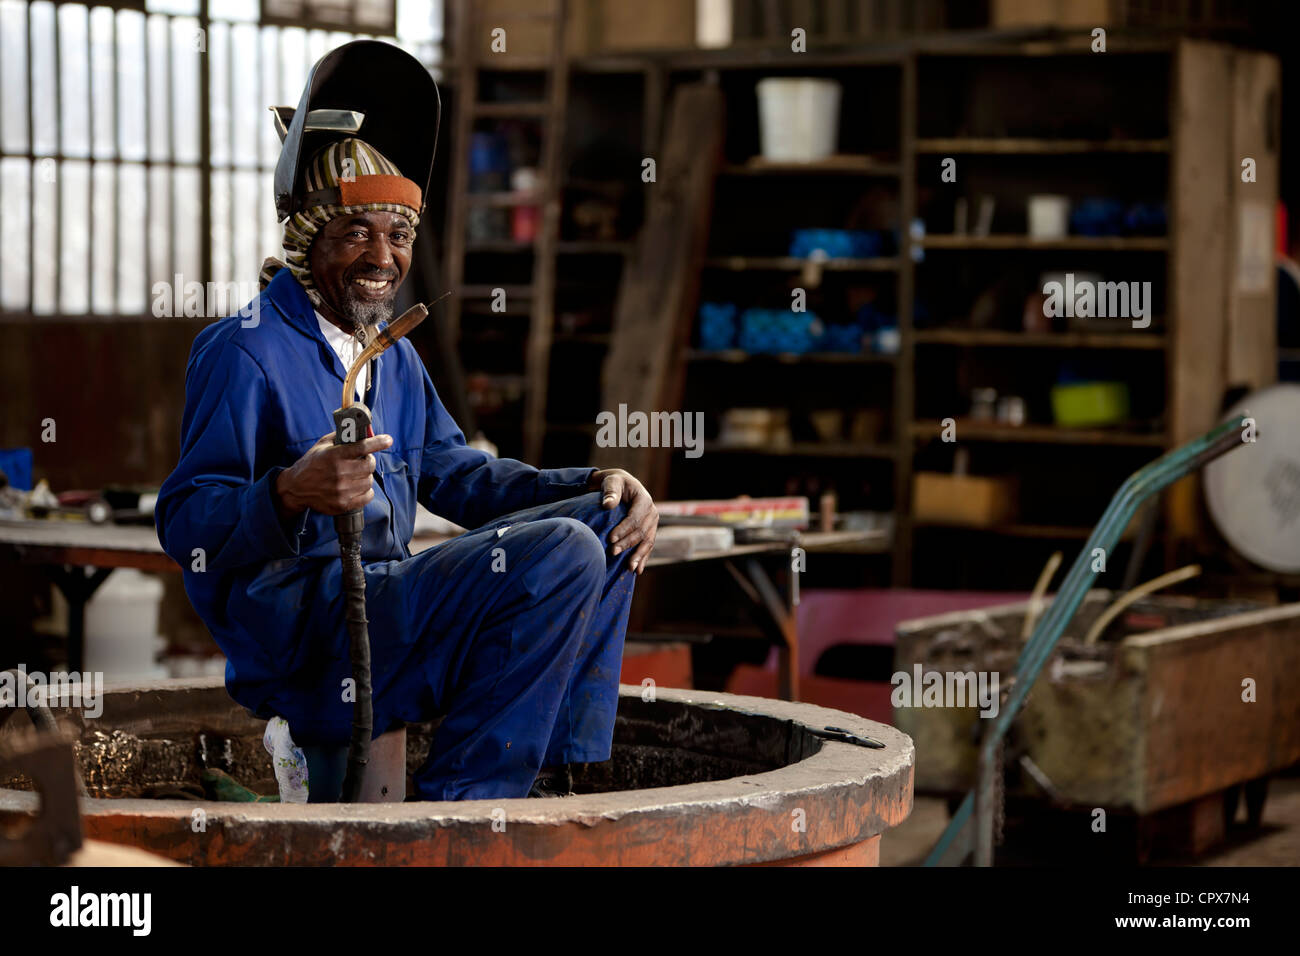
553 782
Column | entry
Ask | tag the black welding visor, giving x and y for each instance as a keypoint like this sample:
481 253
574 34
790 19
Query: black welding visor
372 90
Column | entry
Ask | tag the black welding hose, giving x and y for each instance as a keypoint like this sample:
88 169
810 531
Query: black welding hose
352 424
349 527
42 718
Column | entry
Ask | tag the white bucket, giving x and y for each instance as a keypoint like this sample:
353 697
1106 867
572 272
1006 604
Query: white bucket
798 118
1049 217
122 639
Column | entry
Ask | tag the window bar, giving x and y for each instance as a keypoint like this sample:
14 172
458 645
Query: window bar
31 166
57 259
2 178
264 188
169 54
117 167
90 167
232 244
145 79
281 95
205 146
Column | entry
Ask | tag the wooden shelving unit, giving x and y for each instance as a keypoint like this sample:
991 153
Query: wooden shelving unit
1037 117
1165 118
754 268
1013 133
550 334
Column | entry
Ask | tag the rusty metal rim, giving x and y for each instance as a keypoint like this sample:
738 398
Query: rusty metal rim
848 794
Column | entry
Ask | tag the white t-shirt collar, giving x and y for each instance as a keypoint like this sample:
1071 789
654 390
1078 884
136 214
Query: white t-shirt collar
347 347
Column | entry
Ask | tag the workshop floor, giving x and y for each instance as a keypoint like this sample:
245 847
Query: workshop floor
1276 843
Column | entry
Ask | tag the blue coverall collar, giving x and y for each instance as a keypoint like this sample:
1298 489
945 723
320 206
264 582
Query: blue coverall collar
290 300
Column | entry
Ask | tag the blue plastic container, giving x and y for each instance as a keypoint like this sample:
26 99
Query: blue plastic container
717 326
16 463
775 331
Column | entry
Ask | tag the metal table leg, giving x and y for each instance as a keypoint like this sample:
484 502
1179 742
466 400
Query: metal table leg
78 585
776 616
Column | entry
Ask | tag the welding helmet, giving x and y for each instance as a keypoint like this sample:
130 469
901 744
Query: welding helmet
368 90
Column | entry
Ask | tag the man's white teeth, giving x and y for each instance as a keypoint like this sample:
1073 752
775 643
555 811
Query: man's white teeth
371 283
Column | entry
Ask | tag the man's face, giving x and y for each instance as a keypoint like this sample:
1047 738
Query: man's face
357 263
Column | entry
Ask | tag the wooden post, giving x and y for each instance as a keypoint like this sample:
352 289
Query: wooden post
656 299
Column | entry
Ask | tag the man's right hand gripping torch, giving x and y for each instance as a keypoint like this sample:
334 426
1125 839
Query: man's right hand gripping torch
352 424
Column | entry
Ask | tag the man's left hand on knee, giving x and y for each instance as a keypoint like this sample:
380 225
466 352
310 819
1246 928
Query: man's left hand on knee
642 522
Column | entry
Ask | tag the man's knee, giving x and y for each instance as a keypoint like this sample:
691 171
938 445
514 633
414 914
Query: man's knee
570 546
580 545
601 520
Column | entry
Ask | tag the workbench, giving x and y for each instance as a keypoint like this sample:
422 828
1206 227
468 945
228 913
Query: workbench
79 557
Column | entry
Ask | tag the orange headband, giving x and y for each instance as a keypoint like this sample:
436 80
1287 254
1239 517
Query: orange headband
365 190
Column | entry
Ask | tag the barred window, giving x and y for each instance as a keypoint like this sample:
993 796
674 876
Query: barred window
136 145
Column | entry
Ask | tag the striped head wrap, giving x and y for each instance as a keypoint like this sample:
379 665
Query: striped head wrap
347 176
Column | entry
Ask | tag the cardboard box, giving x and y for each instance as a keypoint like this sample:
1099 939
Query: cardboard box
963 499
1051 13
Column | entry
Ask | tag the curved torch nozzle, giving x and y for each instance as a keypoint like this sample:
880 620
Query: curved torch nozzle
384 340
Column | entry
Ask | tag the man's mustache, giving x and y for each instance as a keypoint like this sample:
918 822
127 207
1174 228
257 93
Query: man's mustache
372 273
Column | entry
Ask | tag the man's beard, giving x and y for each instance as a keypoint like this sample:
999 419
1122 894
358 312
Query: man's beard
366 315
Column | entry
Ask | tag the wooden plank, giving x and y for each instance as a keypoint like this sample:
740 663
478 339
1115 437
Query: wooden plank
905 375
841 163
1223 330
1201 178
541 324
1251 346
801 15
996 338
653 96
1200 184
837 26
1047 147
1199 736
466 96
1079 243
656 298
791 264
968 430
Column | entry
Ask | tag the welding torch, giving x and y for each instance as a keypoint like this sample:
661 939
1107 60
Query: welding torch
352 425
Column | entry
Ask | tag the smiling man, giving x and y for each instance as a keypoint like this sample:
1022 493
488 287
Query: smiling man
512 632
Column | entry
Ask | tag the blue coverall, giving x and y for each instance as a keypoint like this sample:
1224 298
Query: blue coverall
513 632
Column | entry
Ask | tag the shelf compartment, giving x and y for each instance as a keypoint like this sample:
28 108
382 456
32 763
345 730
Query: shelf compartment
840 165
808 450
1045 434
792 264
737 356
995 338
1057 532
1072 243
1039 146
